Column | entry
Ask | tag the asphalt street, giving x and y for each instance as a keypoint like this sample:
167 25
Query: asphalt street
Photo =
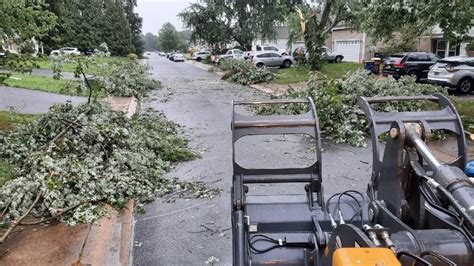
193 231
31 101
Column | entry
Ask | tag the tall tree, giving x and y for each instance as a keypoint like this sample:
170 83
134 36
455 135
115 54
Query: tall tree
151 42
314 20
168 38
135 22
80 24
218 22
25 19
383 17
116 30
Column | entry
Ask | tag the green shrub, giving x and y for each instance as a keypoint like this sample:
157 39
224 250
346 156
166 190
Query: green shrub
208 60
340 117
132 56
244 72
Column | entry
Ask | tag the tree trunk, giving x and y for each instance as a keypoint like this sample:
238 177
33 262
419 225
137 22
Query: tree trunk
314 39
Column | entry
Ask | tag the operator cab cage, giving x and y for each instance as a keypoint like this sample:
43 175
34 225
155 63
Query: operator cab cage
296 222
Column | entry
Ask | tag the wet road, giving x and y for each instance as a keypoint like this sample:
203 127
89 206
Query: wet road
31 101
190 231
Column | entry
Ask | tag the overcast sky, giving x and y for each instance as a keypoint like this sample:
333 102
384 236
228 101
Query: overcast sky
157 12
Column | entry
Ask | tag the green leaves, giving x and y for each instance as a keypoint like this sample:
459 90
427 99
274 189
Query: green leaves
168 38
380 19
105 158
340 117
23 21
245 73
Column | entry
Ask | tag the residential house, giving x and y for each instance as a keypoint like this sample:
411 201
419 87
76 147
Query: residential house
10 45
435 43
356 46
280 41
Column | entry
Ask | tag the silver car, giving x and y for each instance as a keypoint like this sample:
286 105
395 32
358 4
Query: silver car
231 54
330 55
272 59
455 72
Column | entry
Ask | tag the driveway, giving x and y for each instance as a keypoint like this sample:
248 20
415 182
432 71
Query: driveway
31 101
190 231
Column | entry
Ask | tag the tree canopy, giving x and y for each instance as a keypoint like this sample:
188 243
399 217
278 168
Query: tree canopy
168 38
86 24
219 22
25 19
383 17
151 42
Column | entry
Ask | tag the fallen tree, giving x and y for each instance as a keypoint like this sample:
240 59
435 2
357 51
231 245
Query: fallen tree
72 161
340 118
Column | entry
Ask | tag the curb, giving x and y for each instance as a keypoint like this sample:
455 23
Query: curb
204 67
106 243
273 89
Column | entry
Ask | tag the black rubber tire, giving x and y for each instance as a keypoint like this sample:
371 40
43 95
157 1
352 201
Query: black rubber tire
414 75
465 85
260 65
338 59
286 64
199 59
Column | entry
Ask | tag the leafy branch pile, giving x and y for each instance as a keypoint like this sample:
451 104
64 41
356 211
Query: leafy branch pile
72 161
336 102
116 78
245 73
127 78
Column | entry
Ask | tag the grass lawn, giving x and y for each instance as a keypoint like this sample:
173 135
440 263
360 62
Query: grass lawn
336 71
332 71
8 120
466 110
45 63
41 83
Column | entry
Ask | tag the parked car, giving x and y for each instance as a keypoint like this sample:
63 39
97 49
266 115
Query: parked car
162 53
331 56
231 54
66 51
454 72
171 55
414 64
269 48
199 56
272 59
178 57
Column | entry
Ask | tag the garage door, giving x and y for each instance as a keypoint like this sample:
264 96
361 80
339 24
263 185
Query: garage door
350 49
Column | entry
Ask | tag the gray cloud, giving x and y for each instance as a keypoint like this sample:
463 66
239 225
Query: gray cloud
157 12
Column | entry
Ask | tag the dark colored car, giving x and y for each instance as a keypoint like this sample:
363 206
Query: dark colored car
415 64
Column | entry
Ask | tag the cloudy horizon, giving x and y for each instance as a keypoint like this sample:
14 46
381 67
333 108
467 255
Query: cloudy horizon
155 13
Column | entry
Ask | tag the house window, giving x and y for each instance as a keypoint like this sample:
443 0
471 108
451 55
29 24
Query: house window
441 47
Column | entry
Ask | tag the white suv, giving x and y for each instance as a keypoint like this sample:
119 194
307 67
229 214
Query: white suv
66 51
455 72
199 56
